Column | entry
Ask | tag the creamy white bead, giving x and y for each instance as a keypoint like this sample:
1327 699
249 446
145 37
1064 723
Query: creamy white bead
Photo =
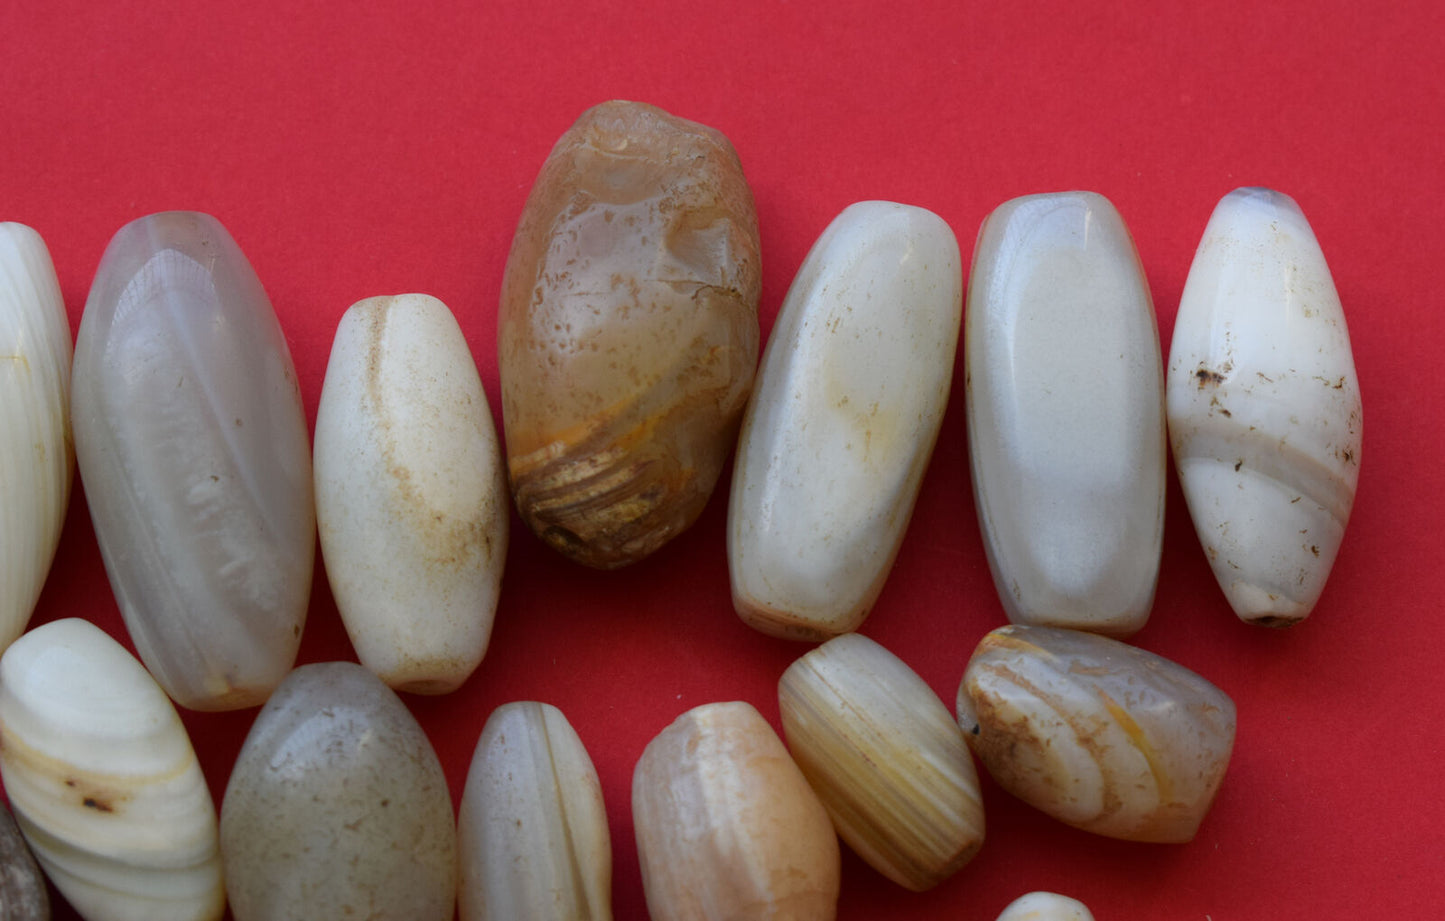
1065 410
411 500
103 779
843 418
36 457
1046 906
1264 407
532 835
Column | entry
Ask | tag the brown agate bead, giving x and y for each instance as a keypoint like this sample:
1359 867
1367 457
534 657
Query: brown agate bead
628 331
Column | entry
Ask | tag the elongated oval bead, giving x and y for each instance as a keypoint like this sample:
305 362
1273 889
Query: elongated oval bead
35 447
1264 407
628 331
532 830
23 896
411 501
1046 906
337 807
192 443
1096 733
727 827
1066 414
104 781
843 420
886 758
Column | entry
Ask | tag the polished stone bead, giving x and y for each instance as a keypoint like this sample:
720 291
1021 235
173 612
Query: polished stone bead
726 825
628 331
886 758
843 420
1066 414
1096 733
1264 407
532 829
104 781
411 500
337 807
36 457
192 443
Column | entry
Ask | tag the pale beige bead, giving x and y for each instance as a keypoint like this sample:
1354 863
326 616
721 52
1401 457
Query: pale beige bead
1096 733
886 758
1046 906
532 833
727 827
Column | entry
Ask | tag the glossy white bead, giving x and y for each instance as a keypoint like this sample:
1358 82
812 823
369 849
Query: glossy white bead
104 781
192 444
842 422
1046 906
1066 414
1264 407
36 457
411 500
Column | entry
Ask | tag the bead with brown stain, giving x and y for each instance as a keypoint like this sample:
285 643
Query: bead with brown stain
1096 733
628 331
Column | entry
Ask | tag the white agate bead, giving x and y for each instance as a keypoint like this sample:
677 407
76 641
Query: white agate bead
843 419
192 444
103 779
1264 407
532 834
36 457
1066 414
411 500
1046 906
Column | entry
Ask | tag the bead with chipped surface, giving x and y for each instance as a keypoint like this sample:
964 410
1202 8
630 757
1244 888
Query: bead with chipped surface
627 331
1098 734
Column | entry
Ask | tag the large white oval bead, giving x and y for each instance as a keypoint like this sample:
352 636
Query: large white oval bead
1066 414
1264 407
532 831
337 807
843 418
1098 734
192 444
103 779
35 448
411 500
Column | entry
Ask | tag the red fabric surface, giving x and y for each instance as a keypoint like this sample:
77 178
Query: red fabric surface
355 150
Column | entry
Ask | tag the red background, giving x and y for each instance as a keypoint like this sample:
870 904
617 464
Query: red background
355 150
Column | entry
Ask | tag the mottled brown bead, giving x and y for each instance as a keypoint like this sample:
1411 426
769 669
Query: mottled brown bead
628 331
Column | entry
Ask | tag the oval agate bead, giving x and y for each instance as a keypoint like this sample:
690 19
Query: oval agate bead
35 446
103 779
1098 734
628 331
1066 414
337 807
411 501
192 443
843 420
1264 407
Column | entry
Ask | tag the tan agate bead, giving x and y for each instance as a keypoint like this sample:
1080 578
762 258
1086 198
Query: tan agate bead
1097 733
628 331
727 827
